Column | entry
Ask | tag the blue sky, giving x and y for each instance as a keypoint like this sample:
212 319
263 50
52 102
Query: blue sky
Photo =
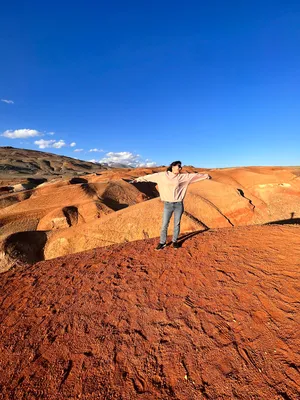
214 84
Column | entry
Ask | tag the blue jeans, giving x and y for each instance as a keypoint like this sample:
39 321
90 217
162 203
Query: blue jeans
169 208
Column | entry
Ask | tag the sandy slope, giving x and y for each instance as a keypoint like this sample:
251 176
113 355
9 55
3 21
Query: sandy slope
217 319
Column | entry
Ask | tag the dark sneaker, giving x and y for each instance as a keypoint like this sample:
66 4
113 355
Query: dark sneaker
160 246
176 245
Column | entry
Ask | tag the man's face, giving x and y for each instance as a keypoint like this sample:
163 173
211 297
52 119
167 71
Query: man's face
176 169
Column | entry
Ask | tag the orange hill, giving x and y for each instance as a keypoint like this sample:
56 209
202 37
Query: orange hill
68 215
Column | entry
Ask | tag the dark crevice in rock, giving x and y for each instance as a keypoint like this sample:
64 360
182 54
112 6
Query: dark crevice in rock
71 214
196 220
241 192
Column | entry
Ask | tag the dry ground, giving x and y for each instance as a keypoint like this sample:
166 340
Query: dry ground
216 319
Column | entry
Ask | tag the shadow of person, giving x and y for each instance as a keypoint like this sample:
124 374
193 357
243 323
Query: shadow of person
290 221
187 236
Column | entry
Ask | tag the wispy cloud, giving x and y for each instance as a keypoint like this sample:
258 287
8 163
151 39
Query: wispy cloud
8 101
78 150
96 150
59 144
73 144
126 158
21 133
51 133
45 144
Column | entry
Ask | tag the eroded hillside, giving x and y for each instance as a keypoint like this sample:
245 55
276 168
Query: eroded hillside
68 215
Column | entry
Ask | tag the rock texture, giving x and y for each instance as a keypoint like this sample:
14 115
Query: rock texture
15 163
84 212
216 319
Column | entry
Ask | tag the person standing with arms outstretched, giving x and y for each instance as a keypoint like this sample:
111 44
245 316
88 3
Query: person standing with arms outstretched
172 186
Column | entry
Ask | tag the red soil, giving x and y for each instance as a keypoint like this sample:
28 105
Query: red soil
215 319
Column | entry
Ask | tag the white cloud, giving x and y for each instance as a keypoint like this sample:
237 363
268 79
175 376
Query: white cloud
51 133
78 150
148 164
59 144
73 144
21 133
126 158
8 101
97 150
94 161
45 144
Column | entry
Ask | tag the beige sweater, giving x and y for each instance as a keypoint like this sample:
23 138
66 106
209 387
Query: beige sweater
172 187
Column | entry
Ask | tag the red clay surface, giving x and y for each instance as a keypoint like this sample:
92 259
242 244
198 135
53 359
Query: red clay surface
215 319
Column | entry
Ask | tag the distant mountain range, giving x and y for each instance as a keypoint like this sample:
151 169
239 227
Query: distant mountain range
22 162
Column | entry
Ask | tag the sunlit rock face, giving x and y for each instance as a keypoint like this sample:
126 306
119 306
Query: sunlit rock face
97 209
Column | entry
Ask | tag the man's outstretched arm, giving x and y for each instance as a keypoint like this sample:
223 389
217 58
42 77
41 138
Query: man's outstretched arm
147 178
198 177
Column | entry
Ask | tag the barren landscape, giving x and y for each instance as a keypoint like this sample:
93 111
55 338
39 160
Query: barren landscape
90 310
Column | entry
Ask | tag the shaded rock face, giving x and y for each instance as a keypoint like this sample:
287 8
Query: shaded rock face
75 180
216 319
26 247
71 214
59 219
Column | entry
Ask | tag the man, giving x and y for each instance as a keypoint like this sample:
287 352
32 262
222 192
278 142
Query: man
172 186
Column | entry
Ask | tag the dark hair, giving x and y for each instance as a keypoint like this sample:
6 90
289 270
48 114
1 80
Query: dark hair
173 164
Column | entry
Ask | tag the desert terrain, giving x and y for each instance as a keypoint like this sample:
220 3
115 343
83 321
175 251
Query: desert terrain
51 216
90 310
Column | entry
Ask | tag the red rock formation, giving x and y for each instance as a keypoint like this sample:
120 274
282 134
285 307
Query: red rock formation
82 213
